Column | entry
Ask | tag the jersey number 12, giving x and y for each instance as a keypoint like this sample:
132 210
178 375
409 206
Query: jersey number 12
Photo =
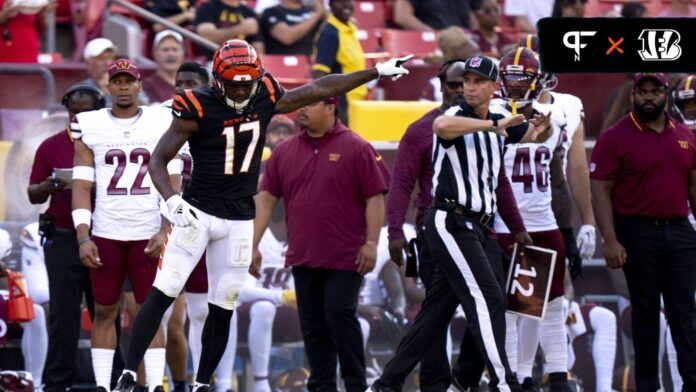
231 135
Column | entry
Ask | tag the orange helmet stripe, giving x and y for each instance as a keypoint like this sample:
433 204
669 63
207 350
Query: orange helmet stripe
687 86
196 104
529 41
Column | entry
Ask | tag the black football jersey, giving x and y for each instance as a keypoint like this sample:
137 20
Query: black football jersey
226 149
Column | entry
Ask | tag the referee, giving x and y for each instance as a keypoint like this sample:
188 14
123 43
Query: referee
466 160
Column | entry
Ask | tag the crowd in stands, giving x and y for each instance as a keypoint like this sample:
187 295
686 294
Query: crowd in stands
332 35
292 27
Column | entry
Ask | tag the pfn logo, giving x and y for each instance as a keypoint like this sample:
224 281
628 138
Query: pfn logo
575 44
660 45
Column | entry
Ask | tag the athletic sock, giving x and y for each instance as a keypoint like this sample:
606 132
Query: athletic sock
215 335
155 359
102 363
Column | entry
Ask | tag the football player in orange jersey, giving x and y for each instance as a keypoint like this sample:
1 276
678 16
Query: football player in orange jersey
225 126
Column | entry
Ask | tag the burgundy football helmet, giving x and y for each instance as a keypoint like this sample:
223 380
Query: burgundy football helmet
684 97
520 76
548 81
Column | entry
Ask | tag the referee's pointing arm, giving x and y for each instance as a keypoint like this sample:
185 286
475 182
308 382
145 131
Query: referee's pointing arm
450 127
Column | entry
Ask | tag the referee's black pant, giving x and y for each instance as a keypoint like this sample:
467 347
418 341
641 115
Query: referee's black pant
463 276
326 302
661 260
435 375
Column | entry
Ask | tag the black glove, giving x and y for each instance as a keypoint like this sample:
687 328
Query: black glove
572 253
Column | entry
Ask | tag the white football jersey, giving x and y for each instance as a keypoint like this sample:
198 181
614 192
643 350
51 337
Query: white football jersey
127 204
371 291
527 169
567 113
273 271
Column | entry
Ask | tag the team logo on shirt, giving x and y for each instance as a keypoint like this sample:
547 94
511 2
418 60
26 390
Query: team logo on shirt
683 144
593 166
334 157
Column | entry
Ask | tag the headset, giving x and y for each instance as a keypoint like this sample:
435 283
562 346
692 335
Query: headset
100 100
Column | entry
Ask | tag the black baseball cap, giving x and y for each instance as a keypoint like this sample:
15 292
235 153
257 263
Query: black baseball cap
483 66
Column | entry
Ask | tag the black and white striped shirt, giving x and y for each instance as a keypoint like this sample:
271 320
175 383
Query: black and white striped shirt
466 169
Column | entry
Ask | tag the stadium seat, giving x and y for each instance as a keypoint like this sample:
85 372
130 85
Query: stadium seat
409 87
402 42
369 40
370 14
25 87
291 71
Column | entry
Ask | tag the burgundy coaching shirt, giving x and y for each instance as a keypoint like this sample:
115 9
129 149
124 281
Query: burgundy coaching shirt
56 152
324 184
650 170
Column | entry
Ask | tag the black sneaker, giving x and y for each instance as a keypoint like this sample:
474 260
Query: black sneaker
126 383
528 385
159 389
558 382
100 389
203 388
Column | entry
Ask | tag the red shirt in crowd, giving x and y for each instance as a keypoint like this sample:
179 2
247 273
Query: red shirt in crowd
414 163
23 44
157 89
56 152
650 170
324 184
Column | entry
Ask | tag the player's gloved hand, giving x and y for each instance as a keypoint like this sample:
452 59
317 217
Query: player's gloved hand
393 67
587 241
572 253
180 212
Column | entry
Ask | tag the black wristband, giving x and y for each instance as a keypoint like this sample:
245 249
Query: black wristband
83 241
495 122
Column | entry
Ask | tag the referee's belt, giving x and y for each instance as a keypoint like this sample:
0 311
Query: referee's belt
453 207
